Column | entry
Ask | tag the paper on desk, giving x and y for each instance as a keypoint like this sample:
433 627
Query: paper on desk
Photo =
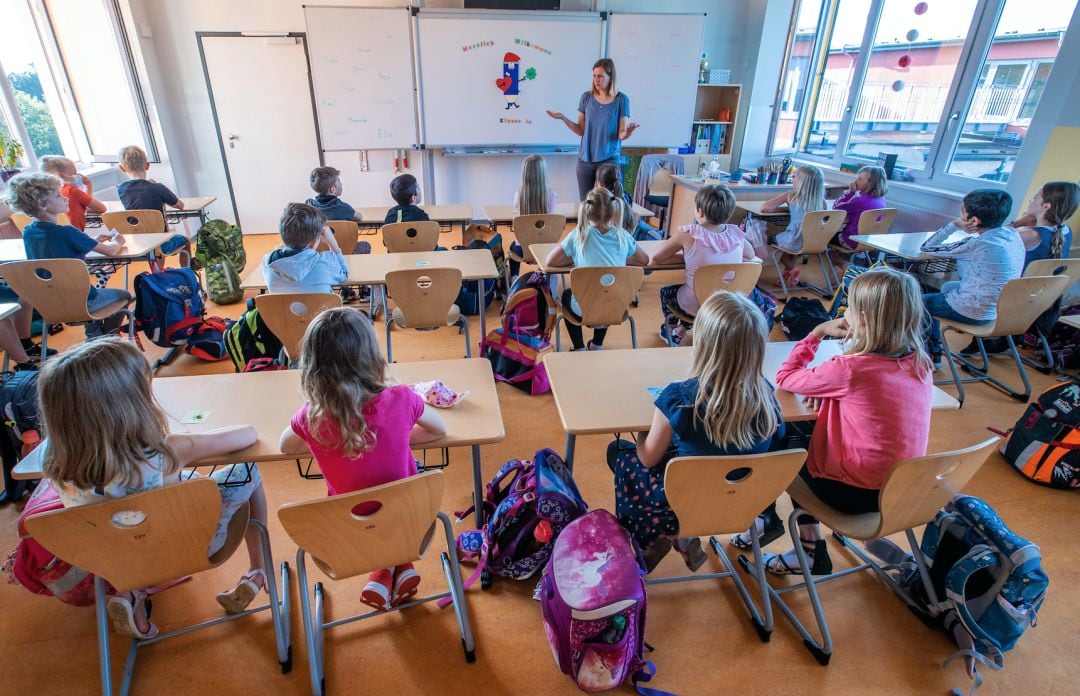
654 392
826 350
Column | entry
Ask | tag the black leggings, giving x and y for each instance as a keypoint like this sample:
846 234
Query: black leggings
586 175
574 331
838 495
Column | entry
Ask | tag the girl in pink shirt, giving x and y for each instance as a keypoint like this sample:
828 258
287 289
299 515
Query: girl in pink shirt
358 425
873 406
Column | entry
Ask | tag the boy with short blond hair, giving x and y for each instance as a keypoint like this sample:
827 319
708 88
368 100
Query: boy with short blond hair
78 189
138 192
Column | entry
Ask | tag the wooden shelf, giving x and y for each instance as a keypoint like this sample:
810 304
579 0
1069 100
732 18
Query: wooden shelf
711 101
715 123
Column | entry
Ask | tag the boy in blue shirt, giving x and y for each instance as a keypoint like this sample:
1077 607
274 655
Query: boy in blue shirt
138 192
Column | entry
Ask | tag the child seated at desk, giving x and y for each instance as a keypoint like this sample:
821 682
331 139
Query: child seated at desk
326 182
532 198
296 266
39 196
138 192
359 425
78 189
709 240
596 241
607 176
866 192
405 191
807 196
1044 225
987 257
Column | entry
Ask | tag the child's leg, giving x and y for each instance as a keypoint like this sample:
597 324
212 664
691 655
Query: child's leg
641 505
236 491
669 302
937 306
515 266
573 330
598 336
9 341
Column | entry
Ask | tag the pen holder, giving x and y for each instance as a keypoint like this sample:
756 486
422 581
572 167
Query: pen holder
773 176
761 175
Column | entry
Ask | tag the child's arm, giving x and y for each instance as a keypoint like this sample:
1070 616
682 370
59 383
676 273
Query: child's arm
95 206
777 202
748 252
111 247
558 257
1030 237
429 427
937 245
652 445
670 249
290 442
829 380
194 447
639 257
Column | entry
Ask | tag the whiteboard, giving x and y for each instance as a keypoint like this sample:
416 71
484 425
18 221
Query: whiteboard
461 59
363 76
657 57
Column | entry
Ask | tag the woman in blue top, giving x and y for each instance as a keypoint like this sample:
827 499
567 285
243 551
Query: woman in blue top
603 122
726 407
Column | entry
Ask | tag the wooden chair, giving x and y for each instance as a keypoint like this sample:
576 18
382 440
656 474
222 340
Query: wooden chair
1049 267
1021 302
135 221
818 229
58 290
604 294
21 220
287 315
659 193
876 221
746 485
424 299
733 277
345 540
170 542
411 236
912 495
346 234
534 229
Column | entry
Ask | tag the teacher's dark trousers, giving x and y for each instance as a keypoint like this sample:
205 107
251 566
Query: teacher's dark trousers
586 175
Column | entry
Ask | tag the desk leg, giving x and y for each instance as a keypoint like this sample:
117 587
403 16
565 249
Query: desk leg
478 487
482 307
571 440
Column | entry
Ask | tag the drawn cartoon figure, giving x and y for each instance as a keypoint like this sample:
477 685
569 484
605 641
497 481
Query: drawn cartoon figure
508 83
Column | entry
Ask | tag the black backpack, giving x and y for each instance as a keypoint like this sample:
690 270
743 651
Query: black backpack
250 339
800 316
19 406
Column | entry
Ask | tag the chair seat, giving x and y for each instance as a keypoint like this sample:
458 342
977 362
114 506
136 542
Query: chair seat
109 310
859 249
862 527
661 201
452 316
520 258
786 250
980 330
570 319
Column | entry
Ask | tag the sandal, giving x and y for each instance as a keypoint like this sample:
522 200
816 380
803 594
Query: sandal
817 552
773 529
238 598
376 594
406 582
692 554
121 611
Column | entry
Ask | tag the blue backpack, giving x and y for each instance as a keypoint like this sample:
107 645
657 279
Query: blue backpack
169 306
989 581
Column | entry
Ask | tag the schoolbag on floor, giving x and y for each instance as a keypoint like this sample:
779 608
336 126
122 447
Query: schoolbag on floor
592 598
526 506
1044 445
20 411
1064 340
800 315
467 300
220 252
989 581
168 306
492 241
208 341
250 339
517 348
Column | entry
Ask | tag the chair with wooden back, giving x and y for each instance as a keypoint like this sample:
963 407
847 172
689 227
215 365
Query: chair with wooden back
168 537
604 294
1049 267
21 220
913 493
534 229
411 236
659 193
875 221
356 533
733 277
58 290
287 315
747 485
346 234
425 299
1021 302
135 221
818 229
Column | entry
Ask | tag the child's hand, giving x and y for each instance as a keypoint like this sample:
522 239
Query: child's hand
328 238
967 223
812 402
837 328
119 239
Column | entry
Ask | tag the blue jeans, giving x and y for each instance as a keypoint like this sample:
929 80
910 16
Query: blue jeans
936 306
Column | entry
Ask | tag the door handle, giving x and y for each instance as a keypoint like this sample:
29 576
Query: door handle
232 138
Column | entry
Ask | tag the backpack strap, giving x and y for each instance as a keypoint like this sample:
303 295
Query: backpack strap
979 558
648 671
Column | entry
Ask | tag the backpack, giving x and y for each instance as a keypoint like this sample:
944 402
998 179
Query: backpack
766 303
208 341
1044 445
467 300
800 316
220 252
168 306
989 581
838 304
492 240
526 506
19 407
592 598
516 349
1064 340
249 339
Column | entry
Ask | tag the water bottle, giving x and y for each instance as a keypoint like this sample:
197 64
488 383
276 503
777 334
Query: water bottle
615 632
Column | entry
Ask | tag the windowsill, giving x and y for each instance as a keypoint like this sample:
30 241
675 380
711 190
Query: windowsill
917 194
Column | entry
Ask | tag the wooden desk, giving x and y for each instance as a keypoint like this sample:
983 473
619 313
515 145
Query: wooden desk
136 247
754 208
371 269
903 244
447 215
540 253
268 400
501 214
605 391
684 189
194 206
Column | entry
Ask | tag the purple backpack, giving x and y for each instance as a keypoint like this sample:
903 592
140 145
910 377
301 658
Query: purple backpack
517 348
592 597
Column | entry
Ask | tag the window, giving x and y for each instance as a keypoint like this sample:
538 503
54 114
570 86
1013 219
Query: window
893 77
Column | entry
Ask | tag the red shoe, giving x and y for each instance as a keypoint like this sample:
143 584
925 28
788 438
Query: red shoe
406 582
376 593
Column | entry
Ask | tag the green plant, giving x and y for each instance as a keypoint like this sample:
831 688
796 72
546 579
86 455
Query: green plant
10 151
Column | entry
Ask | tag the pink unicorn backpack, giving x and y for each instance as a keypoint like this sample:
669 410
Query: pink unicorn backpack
593 601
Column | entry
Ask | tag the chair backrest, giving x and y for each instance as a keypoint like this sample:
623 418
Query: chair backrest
21 220
537 229
380 527
424 295
288 315
917 488
660 183
168 538
723 495
411 236
1049 267
819 227
735 277
877 221
605 292
346 234
1022 300
56 288
135 221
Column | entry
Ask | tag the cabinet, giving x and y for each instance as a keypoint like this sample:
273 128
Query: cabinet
715 110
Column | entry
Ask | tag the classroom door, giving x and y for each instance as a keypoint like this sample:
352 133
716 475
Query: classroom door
261 98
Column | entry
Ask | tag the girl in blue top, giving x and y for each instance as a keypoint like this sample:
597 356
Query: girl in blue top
807 196
1043 227
603 122
596 241
726 407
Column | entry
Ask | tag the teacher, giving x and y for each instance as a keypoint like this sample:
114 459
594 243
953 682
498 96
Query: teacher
603 122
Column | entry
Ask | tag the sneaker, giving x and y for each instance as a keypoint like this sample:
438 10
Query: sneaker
936 359
406 581
247 589
592 346
34 352
377 592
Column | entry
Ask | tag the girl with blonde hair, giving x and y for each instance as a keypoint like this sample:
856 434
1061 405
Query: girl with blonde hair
866 192
108 438
873 404
726 407
807 196
532 198
358 425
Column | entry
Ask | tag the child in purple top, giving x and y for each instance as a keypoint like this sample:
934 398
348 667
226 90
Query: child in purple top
866 192
358 425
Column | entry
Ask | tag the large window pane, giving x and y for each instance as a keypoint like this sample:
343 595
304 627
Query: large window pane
913 61
796 76
844 34
1010 84
36 97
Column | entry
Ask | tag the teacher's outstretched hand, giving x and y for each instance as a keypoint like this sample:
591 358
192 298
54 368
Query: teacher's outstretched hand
603 122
